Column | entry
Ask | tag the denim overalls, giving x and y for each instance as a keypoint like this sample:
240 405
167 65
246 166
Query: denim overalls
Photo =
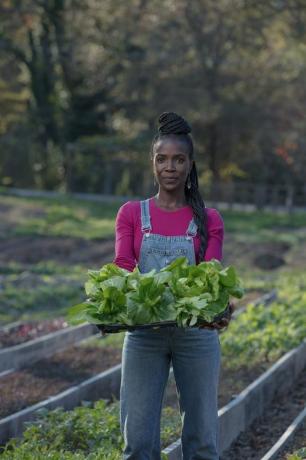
146 358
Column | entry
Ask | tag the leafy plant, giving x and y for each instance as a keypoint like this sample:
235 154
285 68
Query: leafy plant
298 455
90 432
262 334
178 292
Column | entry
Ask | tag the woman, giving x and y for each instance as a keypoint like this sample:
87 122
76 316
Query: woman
152 233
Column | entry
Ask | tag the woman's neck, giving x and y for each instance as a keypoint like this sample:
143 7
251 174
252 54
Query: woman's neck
170 201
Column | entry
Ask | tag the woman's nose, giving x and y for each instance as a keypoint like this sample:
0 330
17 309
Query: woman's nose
170 165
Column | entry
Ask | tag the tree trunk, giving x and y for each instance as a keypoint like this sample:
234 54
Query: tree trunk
213 150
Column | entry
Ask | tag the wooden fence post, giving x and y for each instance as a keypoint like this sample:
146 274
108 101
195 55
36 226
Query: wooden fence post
289 198
259 195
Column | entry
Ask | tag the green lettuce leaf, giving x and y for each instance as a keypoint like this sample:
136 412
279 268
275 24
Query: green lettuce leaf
178 292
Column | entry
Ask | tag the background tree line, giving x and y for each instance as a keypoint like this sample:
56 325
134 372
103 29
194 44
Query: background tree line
83 81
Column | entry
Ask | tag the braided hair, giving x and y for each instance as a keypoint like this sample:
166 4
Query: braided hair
172 125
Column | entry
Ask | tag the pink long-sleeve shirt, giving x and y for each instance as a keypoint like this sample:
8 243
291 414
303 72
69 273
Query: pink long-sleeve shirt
175 223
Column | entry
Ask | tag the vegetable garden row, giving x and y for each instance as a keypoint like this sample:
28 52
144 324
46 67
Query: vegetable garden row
255 339
51 374
259 440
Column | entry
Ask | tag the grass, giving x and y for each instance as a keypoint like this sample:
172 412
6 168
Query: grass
46 299
73 217
48 267
58 217
238 221
110 340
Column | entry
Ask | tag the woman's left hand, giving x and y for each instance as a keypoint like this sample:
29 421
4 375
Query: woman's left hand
224 321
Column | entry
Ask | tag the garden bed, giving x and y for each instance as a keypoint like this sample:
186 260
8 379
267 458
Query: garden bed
231 383
24 332
297 442
50 376
64 250
253 443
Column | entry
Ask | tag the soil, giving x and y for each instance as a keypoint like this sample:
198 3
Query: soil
48 377
29 331
297 442
231 383
63 250
247 254
69 250
253 443
268 261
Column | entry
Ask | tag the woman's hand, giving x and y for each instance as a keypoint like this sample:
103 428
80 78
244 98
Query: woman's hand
224 321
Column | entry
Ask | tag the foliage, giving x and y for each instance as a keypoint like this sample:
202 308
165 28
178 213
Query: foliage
178 292
60 216
109 340
69 216
264 333
71 72
297 455
91 433
262 221
50 297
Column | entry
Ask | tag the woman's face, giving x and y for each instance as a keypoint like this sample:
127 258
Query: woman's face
171 164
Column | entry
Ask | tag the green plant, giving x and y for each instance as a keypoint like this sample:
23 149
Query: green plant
297 455
178 292
90 432
263 333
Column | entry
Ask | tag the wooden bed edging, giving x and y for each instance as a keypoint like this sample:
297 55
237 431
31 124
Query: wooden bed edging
16 356
238 414
233 418
103 385
286 436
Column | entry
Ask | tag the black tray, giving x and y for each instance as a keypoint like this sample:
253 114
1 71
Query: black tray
113 328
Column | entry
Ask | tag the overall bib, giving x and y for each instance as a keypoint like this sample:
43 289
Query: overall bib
146 359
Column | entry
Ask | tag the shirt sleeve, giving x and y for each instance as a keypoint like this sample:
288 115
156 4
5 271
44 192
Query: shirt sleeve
124 239
215 237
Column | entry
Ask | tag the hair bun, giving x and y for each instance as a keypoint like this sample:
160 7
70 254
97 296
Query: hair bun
171 123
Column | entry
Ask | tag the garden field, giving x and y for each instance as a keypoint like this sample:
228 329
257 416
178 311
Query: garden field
46 247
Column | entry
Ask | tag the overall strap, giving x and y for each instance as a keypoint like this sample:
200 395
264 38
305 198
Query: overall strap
192 228
145 215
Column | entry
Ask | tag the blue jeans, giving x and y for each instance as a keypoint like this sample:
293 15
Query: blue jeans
146 359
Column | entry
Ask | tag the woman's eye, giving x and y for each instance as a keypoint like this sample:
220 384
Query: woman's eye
181 160
159 160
